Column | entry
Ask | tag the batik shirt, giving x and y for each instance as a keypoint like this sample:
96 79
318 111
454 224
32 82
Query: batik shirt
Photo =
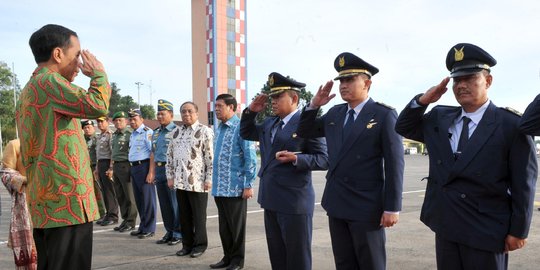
235 161
53 151
189 157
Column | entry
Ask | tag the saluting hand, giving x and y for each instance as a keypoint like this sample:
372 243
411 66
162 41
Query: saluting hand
258 103
323 95
90 63
434 93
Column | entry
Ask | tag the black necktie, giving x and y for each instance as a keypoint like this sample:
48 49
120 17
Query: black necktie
464 136
277 129
348 125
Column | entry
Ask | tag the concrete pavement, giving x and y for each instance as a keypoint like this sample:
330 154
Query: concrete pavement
410 244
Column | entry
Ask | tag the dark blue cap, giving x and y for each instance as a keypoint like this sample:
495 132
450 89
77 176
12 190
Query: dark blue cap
348 65
465 59
279 83
134 112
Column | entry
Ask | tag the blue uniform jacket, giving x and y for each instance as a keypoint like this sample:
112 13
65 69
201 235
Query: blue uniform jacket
365 176
285 187
488 192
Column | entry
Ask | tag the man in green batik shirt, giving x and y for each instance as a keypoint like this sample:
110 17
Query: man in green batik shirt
60 188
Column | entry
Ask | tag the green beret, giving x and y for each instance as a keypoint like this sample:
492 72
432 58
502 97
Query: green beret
119 115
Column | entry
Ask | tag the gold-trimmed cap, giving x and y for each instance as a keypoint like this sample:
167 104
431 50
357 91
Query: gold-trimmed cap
164 105
348 65
465 59
279 83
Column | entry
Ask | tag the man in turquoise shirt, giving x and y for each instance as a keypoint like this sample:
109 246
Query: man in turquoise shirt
167 196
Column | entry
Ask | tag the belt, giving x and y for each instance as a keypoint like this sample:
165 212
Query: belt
139 162
160 164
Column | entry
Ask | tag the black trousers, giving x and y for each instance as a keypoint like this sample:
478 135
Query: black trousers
124 192
107 190
357 245
192 206
455 256
63 248
232 228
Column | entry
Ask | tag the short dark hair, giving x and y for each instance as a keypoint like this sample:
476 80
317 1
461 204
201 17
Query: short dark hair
43 41
189 102
228 99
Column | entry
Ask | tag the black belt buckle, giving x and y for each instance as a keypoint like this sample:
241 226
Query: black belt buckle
138 162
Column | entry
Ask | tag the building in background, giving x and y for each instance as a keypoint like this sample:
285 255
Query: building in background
218 30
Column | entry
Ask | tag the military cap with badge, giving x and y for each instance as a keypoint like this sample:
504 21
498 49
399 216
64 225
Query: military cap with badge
279 84
349 65
466 59
164 105
134 112
87 123
119 115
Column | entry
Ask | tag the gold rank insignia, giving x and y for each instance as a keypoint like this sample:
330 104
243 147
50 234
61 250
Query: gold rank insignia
459 54
371 124
342 61
271 80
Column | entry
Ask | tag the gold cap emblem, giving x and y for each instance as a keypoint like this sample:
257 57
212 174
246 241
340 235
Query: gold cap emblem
342 61
458 55
271 80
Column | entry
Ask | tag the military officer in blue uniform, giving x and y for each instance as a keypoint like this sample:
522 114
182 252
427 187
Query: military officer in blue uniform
286 191
365 178
167 196
142 169
482 169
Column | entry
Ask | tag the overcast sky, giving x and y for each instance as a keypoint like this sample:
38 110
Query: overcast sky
150 42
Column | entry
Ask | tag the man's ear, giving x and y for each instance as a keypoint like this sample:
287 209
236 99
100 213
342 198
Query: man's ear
489 80
57 55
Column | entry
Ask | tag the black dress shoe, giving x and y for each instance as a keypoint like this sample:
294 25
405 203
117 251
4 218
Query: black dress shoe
126 228
100 220
146 235
183 252
135 233
196 253
234 267
174 240
107 222
163 240
220 264
123 224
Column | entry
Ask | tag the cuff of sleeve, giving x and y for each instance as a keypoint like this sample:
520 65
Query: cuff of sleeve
391 212
416 102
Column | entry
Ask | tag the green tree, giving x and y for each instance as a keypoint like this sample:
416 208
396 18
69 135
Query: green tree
8 84
115 99
125 104
305 97
148 112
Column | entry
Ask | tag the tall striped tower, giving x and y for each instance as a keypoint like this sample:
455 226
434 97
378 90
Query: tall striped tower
218 53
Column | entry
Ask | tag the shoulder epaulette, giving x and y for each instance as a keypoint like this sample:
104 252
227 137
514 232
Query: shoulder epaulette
385 105
146 128
512 110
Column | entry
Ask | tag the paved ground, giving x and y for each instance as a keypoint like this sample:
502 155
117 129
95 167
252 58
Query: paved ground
410 245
